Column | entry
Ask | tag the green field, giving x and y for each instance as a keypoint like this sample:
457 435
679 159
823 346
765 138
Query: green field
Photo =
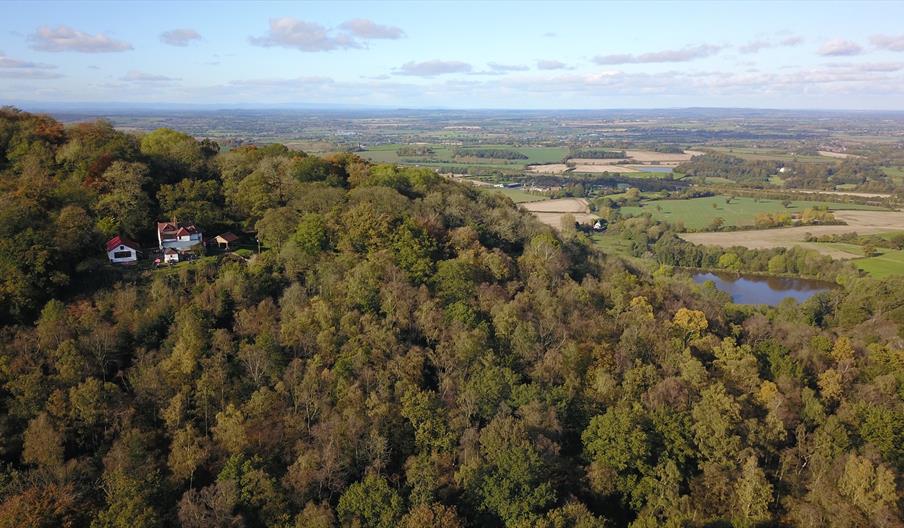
760 154
442 155
697 213
888 262
516 195
895 173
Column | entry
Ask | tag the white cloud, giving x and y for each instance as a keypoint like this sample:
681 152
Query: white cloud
839 48
432 68
138 76
64 38
24 73
551 64
289 32
9 62
755 46
888 42
685 54
179 37
368 29
497 67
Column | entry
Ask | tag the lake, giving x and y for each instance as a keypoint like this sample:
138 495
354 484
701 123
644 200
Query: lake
753 289
648 168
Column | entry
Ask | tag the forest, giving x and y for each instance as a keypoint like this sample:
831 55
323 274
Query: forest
407 351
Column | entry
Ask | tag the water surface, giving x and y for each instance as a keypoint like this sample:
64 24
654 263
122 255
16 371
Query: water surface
648 168
754 289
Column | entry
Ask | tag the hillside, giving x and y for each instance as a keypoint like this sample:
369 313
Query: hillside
403 351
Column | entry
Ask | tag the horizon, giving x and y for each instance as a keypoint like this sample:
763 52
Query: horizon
841 56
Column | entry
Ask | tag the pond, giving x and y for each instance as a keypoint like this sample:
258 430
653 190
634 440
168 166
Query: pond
752 289
649 168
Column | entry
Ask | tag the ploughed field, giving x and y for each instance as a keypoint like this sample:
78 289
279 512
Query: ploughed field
632 162
550 212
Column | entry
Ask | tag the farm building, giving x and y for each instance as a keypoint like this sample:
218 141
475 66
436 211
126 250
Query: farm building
171 235
121 250
225 239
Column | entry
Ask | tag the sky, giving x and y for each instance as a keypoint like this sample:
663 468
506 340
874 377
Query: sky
526 54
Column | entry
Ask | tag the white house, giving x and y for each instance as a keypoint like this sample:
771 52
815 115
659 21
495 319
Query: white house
174 236
121 250
170 256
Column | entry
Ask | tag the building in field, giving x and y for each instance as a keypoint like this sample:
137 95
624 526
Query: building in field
121 250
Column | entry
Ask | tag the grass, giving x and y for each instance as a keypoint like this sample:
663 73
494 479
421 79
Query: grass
895 173
516 195
758 154
612 244
888 262
698 213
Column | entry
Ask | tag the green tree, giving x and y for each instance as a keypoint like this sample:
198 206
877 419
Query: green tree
370 503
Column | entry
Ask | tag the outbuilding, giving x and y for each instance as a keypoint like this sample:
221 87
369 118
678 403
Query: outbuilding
170 256
225 239
121 250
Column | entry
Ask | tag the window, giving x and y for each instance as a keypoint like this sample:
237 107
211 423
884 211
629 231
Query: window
122 254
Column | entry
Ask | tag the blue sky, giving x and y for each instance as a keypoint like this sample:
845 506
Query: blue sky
845 55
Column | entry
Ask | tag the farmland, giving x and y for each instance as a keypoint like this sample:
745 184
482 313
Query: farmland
862 222
698 213
516 195
445 155
550 212
765 154
888 262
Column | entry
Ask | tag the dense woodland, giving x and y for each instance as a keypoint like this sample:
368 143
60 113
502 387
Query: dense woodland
406 351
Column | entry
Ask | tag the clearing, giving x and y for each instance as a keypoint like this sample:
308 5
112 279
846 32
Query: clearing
550 212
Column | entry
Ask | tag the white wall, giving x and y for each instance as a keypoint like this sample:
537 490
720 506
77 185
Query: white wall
133 255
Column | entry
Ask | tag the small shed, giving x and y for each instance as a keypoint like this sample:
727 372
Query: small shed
225 239
121 250
170 256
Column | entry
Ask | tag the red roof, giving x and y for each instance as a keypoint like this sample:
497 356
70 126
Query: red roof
169 227
117 241
228 236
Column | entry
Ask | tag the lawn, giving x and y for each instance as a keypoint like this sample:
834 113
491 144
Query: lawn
888 262
698 213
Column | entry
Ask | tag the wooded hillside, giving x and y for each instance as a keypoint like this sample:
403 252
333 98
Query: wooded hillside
406 351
